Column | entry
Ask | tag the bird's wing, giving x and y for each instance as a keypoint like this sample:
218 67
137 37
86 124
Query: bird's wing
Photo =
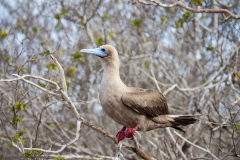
145 101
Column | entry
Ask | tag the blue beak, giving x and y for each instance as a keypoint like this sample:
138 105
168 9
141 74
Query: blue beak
96 52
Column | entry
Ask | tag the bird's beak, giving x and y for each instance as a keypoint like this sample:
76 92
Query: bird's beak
96 52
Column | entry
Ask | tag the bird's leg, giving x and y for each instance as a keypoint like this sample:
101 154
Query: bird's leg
121 134
130 132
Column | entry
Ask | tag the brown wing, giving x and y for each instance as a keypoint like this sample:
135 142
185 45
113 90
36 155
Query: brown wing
145 101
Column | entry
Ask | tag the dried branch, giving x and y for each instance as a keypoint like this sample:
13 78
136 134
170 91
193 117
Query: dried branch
63 80
63 146
35 77
236 102
203 149
195 10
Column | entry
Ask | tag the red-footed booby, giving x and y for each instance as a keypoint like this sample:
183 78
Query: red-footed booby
134 108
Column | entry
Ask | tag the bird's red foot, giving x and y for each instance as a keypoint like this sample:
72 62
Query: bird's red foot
121 134
128 133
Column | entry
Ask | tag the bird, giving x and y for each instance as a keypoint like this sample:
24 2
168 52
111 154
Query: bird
136 109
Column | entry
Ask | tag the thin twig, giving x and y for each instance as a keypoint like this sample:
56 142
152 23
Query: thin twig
195 10
203 149
63 80
63 146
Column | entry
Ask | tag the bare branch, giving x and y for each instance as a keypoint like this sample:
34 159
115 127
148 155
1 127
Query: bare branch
63 146
205 150
195 10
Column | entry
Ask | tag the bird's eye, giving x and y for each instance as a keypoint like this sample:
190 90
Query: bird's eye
103 49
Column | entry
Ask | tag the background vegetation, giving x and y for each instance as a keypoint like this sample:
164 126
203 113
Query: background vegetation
193 57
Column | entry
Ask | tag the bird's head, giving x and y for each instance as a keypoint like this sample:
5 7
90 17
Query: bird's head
105 51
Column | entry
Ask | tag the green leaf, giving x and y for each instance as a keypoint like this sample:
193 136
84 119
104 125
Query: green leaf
22 132
186 15
41 84
71 125
7 58
42 43
76 55
179 24
29 153
18 135
146 65
3 34
57 17
99 41
21 105
197 2
163 20
11 109
59 158
105 16
51 124
136 22
111 35
237 127
47 52
68 84
16 120
34 28
203 16
64 12
210 48
19 22
51 66
21 70
71 72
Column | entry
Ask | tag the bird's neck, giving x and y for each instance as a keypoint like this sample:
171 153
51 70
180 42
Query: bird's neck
111 76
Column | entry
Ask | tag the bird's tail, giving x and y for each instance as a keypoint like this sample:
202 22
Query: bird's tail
181 120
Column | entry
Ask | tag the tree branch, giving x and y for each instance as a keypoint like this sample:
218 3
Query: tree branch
195 10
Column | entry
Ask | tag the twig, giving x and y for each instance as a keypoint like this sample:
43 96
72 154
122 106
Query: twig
63 146
195 10
203 149
63 80
236 102
22 78
175 142
118 152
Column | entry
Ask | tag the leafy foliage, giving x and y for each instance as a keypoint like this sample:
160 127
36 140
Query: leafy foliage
237 127
31 154
99 41
59 158
3 34
18 136
185 18
21 105
7 58
51 66
40 83
188 50
64 11
47 52
163 20
34 28
106 16
197 2
146 65
136 23
71 72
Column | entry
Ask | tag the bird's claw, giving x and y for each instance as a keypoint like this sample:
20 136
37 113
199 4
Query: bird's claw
121 134
128 133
